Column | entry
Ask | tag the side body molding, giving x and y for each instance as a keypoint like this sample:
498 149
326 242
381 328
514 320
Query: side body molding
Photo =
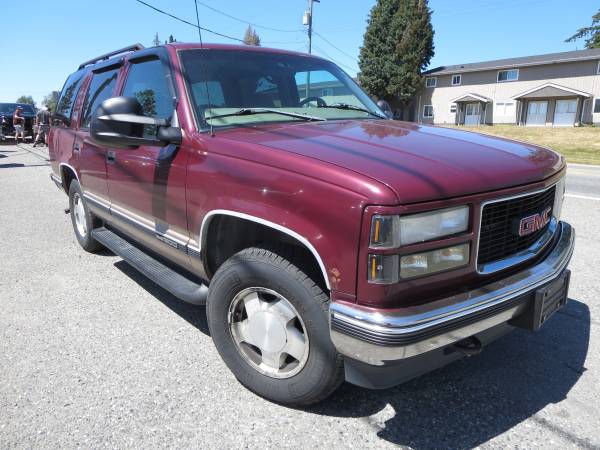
300 238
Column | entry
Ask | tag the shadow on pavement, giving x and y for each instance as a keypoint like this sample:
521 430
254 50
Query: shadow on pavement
473 400
464 404
195 315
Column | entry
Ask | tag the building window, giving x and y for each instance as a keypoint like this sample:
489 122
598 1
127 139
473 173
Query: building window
428 111
456 80
452 108
327 92
597 106
598 68
505 108
508 75
431 82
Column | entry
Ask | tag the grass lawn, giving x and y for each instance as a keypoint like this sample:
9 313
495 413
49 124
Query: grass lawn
578 144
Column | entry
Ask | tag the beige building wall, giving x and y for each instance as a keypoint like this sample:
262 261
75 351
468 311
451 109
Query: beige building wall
580 75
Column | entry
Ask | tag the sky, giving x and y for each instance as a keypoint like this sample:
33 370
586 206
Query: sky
45 41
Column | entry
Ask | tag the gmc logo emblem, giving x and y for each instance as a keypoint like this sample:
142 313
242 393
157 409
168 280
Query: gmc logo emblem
530 224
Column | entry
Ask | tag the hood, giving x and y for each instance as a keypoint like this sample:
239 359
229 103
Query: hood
419 163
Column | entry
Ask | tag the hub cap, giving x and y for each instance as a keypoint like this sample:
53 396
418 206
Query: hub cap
79 212
268 332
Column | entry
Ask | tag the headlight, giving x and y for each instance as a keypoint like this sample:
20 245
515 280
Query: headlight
559 196
394 231
384 268
433 261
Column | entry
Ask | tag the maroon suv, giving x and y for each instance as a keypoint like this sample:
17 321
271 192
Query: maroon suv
328 242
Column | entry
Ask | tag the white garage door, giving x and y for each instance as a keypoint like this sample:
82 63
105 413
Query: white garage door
564 114
536 113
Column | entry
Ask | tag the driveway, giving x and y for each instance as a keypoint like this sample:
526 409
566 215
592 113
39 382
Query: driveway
92 354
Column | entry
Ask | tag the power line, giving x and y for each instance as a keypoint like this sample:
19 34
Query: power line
246 21
338 49
188 23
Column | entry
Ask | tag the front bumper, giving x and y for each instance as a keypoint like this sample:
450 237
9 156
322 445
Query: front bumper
380 337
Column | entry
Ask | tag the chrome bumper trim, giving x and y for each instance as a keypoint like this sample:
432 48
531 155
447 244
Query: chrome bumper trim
376 336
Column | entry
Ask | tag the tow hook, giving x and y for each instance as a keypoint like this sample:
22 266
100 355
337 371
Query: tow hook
470 346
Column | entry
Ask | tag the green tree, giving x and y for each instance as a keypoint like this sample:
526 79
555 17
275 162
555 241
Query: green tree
156 40
171 39
251 37
51 100
593 31
26 99
397 47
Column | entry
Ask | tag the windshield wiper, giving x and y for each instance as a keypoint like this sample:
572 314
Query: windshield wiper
353 108
251 111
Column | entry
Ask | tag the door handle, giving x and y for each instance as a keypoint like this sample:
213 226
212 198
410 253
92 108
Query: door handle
76 147
110 156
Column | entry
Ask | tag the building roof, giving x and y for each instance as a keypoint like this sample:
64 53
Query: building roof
551 90
535 60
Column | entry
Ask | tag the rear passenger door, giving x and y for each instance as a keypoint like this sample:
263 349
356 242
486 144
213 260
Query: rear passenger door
92 156
147 183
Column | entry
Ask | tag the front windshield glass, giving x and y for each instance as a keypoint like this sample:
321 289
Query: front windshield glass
9 108
222 82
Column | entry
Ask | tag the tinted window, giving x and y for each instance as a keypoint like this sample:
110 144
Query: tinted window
64 107
101 88
146 81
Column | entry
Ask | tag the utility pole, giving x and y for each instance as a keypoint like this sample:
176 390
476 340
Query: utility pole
307 21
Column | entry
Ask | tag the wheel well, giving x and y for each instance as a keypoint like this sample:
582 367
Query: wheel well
227 235
67 175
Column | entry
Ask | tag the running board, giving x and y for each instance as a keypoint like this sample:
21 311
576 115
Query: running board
168 279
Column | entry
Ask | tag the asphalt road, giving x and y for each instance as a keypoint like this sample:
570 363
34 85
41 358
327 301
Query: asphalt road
94 355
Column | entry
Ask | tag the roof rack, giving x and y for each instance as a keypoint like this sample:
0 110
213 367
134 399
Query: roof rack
131 48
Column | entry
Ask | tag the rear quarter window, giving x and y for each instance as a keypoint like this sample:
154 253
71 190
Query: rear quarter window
64 107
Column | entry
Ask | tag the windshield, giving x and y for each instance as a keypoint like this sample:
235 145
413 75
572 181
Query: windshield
222 82
9 108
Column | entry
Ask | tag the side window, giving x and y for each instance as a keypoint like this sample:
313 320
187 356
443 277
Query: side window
101 88
323 84
64 107
146 82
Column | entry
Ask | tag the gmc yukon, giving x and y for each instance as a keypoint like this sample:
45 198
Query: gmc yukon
327 241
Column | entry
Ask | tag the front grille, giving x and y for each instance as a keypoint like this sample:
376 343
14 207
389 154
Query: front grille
498 238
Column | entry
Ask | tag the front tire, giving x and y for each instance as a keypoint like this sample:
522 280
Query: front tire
268 320
82 219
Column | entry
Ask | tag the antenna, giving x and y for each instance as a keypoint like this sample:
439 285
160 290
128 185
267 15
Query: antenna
201 46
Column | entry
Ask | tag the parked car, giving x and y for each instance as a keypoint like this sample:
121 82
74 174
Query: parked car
328 242
7 111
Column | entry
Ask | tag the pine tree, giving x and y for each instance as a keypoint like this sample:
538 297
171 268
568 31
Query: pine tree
251 37
397 47
593 31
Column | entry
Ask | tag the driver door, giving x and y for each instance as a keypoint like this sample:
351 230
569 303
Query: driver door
147 183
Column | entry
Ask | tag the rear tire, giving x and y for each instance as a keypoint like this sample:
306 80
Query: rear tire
82 219
285 353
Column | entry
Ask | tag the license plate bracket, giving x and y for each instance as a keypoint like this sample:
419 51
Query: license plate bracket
546 301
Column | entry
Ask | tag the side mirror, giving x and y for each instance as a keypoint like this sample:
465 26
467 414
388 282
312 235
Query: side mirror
119 122
385 107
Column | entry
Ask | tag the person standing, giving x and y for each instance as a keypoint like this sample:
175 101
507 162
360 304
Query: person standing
42 121
19 124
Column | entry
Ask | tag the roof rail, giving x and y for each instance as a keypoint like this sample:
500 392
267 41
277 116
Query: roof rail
131 48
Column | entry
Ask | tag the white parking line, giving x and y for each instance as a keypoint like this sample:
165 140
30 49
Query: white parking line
585 197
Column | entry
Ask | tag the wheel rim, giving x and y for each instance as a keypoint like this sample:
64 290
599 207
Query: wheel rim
268 332
79 212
